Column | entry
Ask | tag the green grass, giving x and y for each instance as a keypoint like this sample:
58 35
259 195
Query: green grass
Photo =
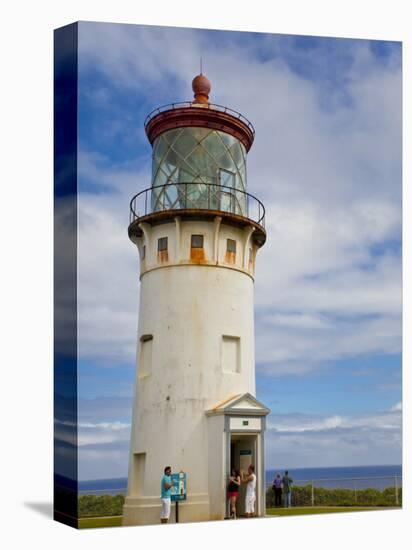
317 510
90 523
116 521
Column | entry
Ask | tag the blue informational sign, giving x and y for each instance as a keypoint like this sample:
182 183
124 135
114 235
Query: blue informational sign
178 490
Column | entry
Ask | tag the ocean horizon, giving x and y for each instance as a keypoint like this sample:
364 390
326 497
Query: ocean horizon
374 476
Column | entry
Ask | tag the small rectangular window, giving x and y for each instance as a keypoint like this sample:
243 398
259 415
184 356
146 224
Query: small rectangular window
145 358
197 253
139 466
230 256
231 245
230 354
162 244
143 252
197 241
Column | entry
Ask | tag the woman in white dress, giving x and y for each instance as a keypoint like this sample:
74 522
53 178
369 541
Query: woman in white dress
250 496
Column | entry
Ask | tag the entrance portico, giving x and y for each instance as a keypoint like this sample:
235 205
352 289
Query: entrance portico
236 440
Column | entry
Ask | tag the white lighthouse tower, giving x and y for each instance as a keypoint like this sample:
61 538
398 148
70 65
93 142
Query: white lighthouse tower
197 231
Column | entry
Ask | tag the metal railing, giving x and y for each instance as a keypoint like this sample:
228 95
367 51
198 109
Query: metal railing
356 491
190 105
197 196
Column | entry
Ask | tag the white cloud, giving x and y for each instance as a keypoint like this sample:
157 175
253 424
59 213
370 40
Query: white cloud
397 407
297 321
92 433
302 440
115 426
107 264
302 423
283 350
330 179
316 423
104 432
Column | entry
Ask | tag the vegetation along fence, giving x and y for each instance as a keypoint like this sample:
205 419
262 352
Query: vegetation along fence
373 491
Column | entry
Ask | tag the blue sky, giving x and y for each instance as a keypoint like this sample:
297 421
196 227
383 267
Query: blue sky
326 162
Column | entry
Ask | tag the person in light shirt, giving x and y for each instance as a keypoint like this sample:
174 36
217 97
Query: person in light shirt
250 497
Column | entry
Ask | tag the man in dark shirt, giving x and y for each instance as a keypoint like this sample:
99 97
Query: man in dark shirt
277 488
287 489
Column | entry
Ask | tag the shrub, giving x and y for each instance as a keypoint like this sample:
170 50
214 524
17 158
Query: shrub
302 496
103 505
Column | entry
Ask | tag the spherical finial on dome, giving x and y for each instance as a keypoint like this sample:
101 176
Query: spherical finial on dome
201 87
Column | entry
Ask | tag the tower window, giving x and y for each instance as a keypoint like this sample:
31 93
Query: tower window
197 253
145 358
197 241
143 252
231 245
162 244
139 465
162 253
230 257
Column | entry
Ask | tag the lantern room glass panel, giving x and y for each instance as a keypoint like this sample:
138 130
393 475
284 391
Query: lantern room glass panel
201 168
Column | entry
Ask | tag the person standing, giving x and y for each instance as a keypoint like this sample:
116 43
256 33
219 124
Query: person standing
287 489
233 491
166 485
277 488
250 496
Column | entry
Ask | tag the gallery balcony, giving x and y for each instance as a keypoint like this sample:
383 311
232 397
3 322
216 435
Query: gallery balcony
197 201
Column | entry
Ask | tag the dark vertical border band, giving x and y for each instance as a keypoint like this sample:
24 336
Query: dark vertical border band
65 275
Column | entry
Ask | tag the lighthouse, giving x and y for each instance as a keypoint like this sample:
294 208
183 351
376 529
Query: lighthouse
197 231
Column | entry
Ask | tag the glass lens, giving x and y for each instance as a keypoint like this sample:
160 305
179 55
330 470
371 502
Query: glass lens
188 159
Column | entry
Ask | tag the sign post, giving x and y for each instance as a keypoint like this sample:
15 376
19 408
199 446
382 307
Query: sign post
178 491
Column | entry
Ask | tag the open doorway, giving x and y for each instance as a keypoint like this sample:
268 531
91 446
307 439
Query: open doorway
243 452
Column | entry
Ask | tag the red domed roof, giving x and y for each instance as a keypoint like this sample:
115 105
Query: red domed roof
201 87
201 113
